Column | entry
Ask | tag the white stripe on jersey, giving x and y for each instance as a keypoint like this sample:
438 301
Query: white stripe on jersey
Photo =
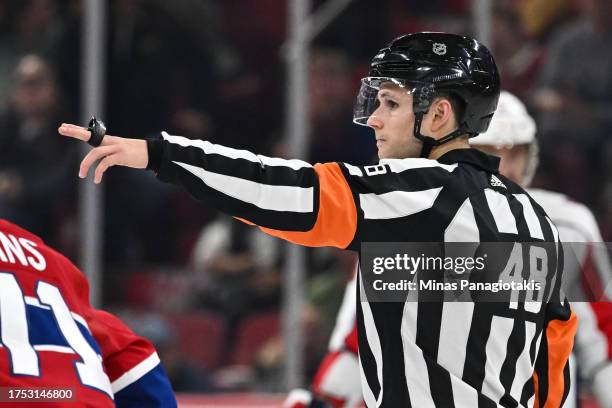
415 367
81 320
464 396
454 335
500 208
210 148
524 368
555 232
531 401
265 196
399 165
396 204
463 227
32 301
353 170
368 395
135 373
535 230
54 348
538 344
501 328
373 340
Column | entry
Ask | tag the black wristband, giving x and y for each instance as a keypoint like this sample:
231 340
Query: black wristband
155 149
97 130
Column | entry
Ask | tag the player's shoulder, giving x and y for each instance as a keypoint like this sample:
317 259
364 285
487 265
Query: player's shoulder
561 205
565 210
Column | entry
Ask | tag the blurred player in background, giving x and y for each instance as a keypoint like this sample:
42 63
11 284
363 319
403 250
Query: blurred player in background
587 274
53 338
511 135
336 383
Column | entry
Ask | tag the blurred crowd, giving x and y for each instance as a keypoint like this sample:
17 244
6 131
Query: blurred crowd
205 288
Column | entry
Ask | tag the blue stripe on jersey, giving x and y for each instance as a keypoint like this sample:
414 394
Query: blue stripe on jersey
151 390
43 329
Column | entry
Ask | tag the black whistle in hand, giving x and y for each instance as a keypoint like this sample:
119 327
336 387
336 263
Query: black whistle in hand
97 130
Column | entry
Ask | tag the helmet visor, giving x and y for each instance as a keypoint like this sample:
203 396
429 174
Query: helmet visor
385 97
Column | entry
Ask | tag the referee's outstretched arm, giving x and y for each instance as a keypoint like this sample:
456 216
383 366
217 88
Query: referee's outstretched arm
291 199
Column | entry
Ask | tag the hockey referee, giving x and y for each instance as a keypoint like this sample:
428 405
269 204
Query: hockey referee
425 96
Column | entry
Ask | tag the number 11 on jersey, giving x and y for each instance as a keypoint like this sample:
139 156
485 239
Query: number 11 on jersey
15 336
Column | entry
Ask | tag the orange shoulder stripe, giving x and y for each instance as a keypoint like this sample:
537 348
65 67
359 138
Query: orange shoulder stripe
337 217
560 335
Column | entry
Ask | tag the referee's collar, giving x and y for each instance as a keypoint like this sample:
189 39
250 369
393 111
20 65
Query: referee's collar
472 156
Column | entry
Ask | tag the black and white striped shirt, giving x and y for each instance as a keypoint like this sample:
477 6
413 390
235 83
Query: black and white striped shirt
412 354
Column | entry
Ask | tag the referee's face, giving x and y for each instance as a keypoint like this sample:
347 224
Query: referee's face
393 124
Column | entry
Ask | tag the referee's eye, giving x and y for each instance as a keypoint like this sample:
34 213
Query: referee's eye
391 104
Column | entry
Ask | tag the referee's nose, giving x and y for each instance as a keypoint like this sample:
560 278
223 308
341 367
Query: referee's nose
375 122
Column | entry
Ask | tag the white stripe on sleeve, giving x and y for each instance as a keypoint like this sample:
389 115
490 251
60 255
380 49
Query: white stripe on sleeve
135 373
396 204
264 196
210 148
353 170
399 165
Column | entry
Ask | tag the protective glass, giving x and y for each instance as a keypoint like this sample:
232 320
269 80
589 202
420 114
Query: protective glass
384 97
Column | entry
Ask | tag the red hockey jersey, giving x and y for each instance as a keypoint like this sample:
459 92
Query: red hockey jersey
52 338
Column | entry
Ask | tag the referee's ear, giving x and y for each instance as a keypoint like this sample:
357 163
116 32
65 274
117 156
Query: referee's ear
440 119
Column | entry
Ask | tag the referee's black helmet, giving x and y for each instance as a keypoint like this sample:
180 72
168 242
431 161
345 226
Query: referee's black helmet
433 64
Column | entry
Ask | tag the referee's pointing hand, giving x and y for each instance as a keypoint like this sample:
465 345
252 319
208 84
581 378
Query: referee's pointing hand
114 151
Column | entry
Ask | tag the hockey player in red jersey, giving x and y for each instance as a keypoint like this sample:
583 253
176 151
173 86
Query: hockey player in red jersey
53 339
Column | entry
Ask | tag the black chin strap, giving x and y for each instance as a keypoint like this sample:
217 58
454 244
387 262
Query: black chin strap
429 142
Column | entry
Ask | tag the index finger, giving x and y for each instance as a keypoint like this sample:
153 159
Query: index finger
77 132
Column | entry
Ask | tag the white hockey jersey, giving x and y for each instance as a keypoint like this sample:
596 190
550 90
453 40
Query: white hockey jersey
590 279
